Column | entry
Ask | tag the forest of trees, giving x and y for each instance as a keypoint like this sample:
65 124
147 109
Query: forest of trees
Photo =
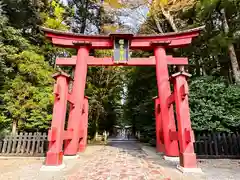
28 61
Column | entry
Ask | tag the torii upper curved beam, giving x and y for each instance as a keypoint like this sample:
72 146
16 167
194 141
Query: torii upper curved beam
143 42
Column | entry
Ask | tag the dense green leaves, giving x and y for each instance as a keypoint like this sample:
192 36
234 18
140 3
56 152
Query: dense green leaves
86 16
104 88
26 87
55 20
214 106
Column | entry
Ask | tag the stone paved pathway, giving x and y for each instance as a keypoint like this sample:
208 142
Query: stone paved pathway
120 161
116 161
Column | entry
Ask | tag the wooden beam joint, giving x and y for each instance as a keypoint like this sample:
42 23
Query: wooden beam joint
170 100
68 134
52 133
70 99
189 135
56 91
161 135
173 135
184 91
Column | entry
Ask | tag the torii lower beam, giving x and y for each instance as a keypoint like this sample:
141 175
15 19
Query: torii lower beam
93 61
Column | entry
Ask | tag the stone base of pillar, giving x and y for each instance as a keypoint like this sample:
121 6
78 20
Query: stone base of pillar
189 170
169 158
188 160
54 159
70 157
52 168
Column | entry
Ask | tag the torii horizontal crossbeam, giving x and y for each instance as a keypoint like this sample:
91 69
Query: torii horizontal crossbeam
93 61
143 42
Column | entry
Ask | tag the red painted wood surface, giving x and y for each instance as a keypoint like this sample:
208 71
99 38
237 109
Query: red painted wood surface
185 133
77 98
159 143
135 44
68 134
167 116
93 61
83 142
56 133
142 42
171 99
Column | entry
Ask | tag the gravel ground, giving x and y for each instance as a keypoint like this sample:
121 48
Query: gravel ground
221 169
214 169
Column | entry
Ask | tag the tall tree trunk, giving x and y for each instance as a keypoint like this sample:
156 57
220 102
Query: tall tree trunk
197 67
96 125
169 18
84 21
202 67
157 24
14 126
230 74
231 50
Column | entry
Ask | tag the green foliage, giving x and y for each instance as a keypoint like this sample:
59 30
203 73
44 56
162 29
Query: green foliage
28 104
141 85
56 20
85 16
23 14
26 88
214 106
104 87
114 4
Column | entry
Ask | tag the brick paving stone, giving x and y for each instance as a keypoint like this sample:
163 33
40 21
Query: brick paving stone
116 161
119 161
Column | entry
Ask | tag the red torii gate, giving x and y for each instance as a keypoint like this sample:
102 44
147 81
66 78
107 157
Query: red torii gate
167 137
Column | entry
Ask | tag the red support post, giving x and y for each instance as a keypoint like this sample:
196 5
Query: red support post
77 98
56 133
167 116
159 132
83 142
185 133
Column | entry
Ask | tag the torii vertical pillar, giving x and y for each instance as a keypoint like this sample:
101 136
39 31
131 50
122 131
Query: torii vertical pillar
77 98
188 161
84 126
159 132
56 133
167 116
